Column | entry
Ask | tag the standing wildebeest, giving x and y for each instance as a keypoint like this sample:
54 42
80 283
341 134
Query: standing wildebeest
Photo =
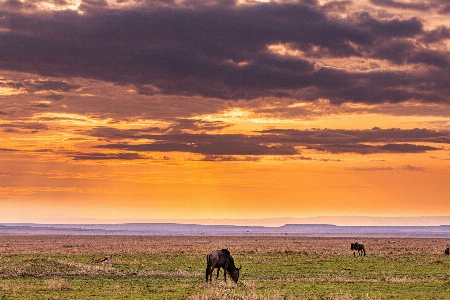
358 247
447 251
221 259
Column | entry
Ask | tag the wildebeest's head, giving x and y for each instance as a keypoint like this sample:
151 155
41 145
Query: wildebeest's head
352 246
234 274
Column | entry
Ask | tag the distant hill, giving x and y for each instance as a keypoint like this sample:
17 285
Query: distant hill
270 222
175 229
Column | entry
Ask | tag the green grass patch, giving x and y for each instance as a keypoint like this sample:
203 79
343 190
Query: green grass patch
263 276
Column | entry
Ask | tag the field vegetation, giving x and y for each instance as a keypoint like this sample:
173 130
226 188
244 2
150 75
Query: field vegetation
156 267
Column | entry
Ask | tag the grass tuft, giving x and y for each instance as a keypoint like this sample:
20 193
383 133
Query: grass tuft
58 284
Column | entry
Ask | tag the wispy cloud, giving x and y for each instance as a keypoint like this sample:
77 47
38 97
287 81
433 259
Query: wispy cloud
370 169
413 168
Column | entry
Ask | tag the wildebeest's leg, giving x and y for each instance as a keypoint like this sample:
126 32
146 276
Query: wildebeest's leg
225 268
218 270
364 249
208 273
208 269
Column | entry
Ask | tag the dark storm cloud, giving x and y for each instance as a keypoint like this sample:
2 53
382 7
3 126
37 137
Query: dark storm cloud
13 4
23 127
219 49
375 87
49 85
438 34
406 148
275 142
369 149
375 135
361 141
445 9
229 158
177 127
55 97
106 156
207 144
40 85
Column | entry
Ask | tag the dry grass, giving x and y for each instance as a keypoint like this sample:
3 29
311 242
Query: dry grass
53 284
284 267
228 291
114 245
14 287
58 284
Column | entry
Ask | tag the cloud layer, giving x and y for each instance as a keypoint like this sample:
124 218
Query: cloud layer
230 51
278 142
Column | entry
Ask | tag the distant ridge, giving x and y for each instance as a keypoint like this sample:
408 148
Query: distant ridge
175 229
270 222
308 225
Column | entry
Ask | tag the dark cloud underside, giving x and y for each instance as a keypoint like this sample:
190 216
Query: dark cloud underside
221 50
278 142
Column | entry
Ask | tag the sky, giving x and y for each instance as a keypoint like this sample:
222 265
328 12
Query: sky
130 110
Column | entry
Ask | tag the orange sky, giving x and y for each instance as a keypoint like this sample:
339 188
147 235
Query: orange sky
115 111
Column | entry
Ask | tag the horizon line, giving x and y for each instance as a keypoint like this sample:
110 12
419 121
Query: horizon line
267 222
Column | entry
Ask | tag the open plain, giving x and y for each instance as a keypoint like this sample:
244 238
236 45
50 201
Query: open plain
173 267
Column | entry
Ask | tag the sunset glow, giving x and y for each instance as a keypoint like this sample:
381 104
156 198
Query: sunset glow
130 111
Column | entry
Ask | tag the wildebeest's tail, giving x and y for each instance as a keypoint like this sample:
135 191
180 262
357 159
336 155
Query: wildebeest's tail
364 250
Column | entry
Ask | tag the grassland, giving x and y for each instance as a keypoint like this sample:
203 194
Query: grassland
146 267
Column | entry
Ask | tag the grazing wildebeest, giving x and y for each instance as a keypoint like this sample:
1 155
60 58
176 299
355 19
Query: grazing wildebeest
447 251
221 259
358 247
